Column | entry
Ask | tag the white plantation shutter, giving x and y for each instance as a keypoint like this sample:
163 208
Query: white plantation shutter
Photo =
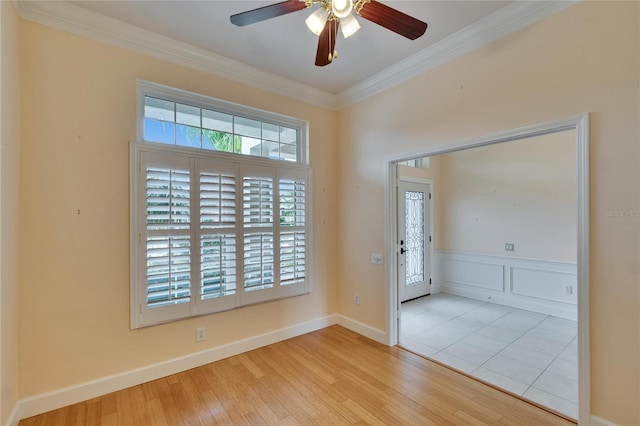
166 237
168 241
213 233
292 239
258 232
292 192
218 239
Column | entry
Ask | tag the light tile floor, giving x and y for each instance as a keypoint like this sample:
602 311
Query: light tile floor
527 353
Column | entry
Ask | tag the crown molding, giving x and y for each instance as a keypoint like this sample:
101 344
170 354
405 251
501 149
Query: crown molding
74 19
507 20
69 17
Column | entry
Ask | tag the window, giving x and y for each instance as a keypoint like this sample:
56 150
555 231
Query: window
220 128
422 163
215 225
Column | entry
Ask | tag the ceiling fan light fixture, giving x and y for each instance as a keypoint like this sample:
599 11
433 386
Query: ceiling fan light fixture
341 8
349 26
317 20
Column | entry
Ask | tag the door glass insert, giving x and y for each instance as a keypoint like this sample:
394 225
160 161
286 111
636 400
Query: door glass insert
415 237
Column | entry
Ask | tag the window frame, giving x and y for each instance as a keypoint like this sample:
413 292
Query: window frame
155 90
243 165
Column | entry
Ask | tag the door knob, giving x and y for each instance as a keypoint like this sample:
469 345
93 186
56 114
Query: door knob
402 250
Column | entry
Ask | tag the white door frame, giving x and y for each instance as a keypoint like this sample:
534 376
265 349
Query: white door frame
578 123
423 181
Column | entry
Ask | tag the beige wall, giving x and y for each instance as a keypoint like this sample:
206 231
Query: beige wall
78 109
521 192
78 114
9 208
556 68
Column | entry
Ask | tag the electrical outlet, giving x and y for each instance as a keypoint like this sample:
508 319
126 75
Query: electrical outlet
356 299
376 258
509 246
568 290
201 334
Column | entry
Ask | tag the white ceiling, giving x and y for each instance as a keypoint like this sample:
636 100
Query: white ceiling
284 45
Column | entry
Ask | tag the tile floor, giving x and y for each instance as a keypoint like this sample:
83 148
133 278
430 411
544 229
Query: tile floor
527 353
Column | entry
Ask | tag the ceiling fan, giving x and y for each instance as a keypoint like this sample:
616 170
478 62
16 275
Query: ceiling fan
324 21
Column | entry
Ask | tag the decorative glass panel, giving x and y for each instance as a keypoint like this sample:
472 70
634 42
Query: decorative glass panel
415 205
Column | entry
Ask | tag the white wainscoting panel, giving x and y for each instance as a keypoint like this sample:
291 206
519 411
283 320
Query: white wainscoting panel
477 274
543 286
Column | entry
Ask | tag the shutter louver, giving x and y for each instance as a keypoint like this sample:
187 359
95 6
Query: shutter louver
168 252
292 236
258 202
258 245
292 257
168 271
292 201
258 261
217 201
218 240
217 266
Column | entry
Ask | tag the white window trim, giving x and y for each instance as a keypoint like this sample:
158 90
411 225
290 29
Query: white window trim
146 88
138 210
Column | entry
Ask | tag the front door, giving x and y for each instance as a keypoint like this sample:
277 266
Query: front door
414 234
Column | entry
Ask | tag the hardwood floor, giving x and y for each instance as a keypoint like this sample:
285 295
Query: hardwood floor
331 376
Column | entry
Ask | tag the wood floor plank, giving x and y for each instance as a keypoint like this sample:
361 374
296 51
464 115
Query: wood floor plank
329 377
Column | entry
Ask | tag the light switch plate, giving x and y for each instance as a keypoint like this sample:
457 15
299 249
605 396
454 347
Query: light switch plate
376 258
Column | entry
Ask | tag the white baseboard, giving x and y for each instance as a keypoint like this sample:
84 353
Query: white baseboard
42 403
363 329
598 421
73 394
13 417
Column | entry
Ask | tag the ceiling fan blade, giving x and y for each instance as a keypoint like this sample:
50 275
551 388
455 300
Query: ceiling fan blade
267 12
327 43
393 20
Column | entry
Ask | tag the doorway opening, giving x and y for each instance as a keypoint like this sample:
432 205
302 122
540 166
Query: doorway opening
488 308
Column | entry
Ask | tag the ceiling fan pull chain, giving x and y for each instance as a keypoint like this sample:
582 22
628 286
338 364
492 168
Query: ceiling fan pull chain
330 34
